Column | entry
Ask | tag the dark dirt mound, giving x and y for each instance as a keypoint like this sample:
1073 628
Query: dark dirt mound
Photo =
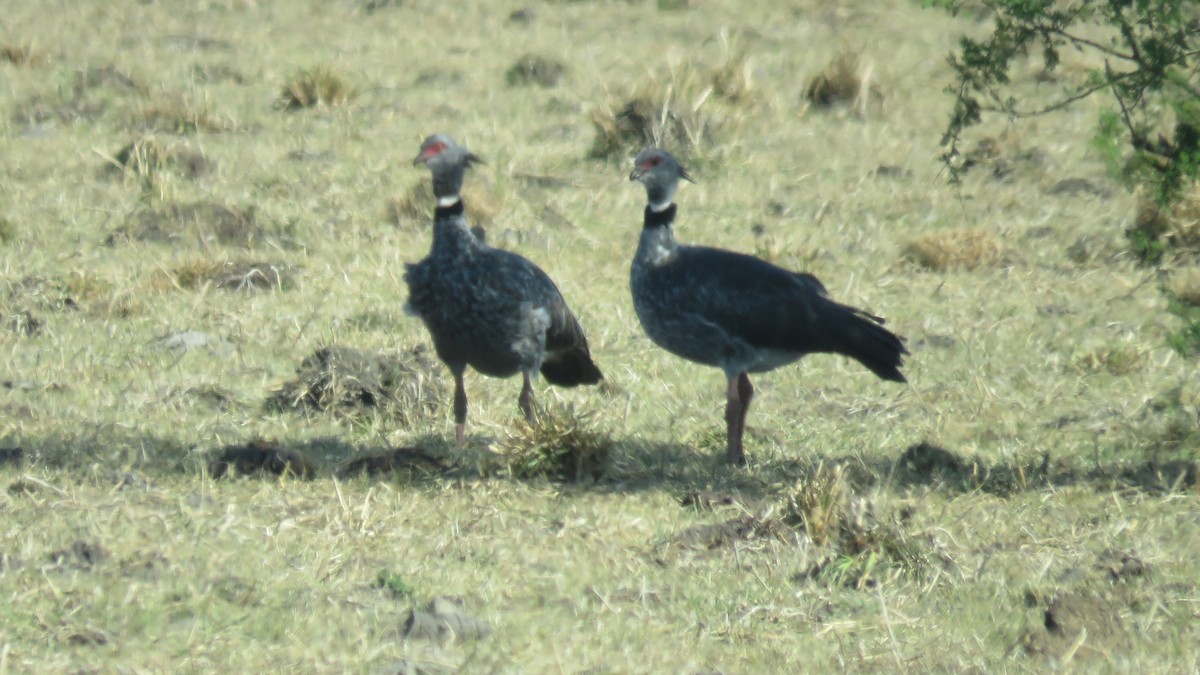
400 459
81 555
260 457
14 456
1121 565
728 533
148 154
197 222
707 500
23 323
406 386
444 622
1074 626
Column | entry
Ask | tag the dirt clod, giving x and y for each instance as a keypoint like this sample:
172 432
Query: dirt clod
927 458
400 459
260 457
1075 626
23 323
707 500
442 621
14 456
196 222
406 386
81 554
537 70
1121 565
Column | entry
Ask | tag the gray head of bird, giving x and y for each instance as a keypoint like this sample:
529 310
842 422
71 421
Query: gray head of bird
659 172
447 161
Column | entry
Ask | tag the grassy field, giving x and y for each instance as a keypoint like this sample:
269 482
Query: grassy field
181 230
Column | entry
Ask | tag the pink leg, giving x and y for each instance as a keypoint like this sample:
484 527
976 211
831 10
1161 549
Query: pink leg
525 400
737 402
460 410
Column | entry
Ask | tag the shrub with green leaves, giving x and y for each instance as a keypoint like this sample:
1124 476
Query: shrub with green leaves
1145 57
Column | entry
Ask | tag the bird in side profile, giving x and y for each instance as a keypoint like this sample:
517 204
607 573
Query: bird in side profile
737 312
487 308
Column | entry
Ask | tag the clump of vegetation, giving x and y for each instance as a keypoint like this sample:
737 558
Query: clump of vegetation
199 222
843 82
1158 228
959 249
260 457
862 548
146 156
405 387
175 114
226 275
22 54
682 112
312 87
395 583
534 69
1144 60
8 230
561 444
1119 360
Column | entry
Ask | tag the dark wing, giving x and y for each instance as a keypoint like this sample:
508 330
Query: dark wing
567 361
772 308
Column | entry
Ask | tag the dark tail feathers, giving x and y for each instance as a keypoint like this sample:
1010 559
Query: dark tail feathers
862 337
570 368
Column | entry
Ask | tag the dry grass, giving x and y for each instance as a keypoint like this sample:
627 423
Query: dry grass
845 82
312 87
562 443
23 54
962 249
684 111
1057 493
1178 227
178 114
405 387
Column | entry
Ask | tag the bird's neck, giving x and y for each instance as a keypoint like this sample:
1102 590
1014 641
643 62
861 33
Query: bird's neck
659 215
657 245
451 234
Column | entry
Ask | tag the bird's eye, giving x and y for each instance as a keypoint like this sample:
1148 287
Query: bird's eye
652 162
435 149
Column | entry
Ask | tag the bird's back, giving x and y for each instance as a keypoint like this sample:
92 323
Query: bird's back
744 314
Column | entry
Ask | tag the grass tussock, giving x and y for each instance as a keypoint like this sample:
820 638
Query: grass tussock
860 547
844 82
201 223
80 290
147 156
22 54
415 207
1157 231
8 230
224 274
683 112
532 69
178 114
959 249
320 86
1118 360
405 387
562 444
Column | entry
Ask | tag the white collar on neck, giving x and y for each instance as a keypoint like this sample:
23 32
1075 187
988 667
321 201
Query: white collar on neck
449 200
660 207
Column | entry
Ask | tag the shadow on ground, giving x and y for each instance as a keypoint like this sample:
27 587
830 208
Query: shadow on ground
634 466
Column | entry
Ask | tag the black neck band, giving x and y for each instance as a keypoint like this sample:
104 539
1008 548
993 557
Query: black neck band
452 211
659 218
